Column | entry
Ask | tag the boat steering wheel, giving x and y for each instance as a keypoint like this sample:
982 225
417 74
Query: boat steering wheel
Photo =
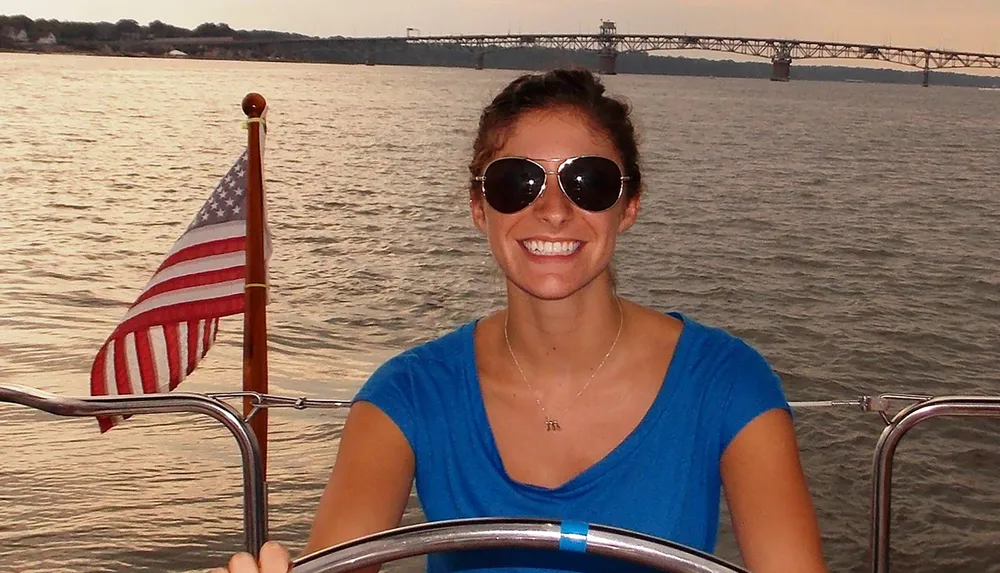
491 533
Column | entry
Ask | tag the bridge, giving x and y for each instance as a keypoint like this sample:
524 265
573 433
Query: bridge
608 44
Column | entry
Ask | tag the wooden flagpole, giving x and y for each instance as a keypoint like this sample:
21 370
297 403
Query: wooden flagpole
255 289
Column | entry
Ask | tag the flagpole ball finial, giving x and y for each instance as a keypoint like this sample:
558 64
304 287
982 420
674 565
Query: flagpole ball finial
253 105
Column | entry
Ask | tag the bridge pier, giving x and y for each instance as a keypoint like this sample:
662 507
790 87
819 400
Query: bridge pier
607 61
781 69
927 69
781 63
480 60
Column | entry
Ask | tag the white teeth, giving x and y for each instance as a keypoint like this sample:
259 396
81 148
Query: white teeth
560 248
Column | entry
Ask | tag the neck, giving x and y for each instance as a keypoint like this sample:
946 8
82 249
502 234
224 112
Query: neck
560 343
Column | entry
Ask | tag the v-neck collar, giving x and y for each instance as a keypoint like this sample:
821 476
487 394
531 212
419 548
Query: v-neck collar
483 429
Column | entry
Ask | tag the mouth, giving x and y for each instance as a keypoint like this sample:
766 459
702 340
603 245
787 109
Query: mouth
550 248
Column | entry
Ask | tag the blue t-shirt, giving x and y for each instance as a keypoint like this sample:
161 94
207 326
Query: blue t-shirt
662 479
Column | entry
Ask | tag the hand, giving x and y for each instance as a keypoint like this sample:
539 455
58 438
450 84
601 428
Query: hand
274 558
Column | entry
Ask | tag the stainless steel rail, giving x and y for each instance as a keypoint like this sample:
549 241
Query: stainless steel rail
470 534
885 448
254 488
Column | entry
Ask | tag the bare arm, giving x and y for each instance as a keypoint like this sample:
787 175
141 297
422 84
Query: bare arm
769 502
370 481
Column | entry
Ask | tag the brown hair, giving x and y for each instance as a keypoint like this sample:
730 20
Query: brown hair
574 88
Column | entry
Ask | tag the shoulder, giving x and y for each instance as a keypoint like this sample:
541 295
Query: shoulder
717 349
707 350
418 381
431 360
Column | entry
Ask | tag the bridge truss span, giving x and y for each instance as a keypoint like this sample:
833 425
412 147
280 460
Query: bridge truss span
781 52
799 50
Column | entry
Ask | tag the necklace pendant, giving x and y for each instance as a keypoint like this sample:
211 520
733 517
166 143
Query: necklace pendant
552 425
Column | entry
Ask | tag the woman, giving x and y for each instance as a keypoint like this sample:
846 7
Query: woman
572 402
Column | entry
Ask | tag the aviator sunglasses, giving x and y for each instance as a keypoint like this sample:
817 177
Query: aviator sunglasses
593 183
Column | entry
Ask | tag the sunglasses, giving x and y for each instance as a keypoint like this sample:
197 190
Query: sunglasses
593 183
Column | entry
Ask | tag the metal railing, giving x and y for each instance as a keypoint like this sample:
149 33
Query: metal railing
885 449
254 487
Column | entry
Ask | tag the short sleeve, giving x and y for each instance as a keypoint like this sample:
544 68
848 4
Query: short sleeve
390 389
754 388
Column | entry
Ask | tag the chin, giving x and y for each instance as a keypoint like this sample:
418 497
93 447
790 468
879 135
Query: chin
551 289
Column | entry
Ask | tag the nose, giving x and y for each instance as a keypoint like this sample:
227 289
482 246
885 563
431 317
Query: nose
553 206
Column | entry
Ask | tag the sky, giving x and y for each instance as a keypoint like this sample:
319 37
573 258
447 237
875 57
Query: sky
964 25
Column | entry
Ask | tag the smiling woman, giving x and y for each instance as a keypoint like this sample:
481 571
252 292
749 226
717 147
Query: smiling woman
570 403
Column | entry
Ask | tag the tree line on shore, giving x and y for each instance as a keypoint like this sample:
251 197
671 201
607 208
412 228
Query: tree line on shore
123 30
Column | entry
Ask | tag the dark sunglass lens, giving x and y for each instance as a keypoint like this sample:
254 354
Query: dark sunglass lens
511 184
593 183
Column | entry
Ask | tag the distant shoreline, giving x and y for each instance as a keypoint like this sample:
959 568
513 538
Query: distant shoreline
218 41
629 64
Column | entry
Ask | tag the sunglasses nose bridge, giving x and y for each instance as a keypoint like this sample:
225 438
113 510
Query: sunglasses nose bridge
552 179
552 175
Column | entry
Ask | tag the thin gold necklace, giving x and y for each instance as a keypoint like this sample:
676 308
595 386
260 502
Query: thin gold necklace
551 423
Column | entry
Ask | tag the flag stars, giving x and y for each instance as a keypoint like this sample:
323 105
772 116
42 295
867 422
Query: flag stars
225 204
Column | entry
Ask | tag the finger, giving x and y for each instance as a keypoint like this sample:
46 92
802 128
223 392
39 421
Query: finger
274 558
243 563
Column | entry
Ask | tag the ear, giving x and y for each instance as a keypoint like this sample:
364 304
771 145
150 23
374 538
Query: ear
478 209
629 214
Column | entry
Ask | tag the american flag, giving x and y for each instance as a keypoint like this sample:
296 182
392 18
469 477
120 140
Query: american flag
172 324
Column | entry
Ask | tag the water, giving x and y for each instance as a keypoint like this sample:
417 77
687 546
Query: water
848 231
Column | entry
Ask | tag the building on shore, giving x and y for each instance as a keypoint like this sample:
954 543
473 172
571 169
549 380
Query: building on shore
20 36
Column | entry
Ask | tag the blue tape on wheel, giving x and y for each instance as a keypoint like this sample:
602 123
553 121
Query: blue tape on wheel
573 536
